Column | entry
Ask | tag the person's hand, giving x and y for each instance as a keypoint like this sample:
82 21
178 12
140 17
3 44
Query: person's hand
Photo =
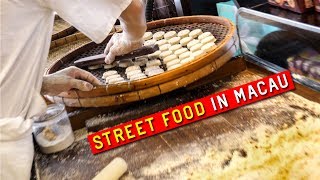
120 44
133 24
68 79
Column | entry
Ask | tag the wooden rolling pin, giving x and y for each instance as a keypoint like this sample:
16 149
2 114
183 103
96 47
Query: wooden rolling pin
112 171
99 59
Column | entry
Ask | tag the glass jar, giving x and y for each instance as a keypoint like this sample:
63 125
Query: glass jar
53 132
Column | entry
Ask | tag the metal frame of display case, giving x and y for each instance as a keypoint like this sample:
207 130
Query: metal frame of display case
282 23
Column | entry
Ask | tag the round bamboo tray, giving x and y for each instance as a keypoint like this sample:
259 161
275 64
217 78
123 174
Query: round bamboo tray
61 29
110 95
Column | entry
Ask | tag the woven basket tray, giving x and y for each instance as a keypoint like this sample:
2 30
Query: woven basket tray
110 95
61 29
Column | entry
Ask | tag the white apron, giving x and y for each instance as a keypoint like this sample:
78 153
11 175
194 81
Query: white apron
26 28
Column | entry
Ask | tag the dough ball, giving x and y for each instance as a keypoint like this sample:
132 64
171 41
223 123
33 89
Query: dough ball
95 67
150 68
162 42
131 73
132 68
174 66
165 54
192 43
109 66
116 80
185 55
184 33
208 39
125 63
154 63
196 47
204 35
112 77
170 35
147 36
169 58
173 62
154 55
158 35
185 41
180 51
138 76
208 47
198 54
164 47
174 40
150 42
195 33
175 47
155 72
109 73
187 60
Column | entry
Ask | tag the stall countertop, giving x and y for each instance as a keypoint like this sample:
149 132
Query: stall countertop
170 154
311 18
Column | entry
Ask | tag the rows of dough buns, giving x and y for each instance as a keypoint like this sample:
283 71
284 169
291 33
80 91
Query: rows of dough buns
175 50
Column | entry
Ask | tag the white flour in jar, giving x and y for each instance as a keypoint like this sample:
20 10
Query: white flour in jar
50 141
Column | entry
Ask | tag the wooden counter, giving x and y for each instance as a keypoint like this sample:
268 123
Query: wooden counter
167 155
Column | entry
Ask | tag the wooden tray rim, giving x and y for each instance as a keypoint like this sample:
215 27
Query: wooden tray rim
104 90
118 99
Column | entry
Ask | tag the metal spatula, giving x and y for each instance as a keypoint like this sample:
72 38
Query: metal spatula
99 59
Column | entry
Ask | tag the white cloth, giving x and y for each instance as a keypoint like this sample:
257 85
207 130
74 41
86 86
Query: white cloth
16 157
26 28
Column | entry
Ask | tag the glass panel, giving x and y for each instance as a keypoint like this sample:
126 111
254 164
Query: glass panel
280 43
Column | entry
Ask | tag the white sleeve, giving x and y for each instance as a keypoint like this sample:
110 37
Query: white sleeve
94 18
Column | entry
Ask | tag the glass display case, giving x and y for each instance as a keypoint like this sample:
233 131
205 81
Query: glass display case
278 43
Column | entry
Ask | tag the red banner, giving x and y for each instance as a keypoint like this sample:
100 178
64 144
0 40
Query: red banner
190 112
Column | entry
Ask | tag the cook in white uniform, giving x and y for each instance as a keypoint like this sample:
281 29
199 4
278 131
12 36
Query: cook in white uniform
26 28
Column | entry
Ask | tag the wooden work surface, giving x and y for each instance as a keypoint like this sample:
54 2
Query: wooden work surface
168 155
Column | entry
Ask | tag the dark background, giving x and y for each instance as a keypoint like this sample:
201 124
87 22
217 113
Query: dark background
206 7
166 8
